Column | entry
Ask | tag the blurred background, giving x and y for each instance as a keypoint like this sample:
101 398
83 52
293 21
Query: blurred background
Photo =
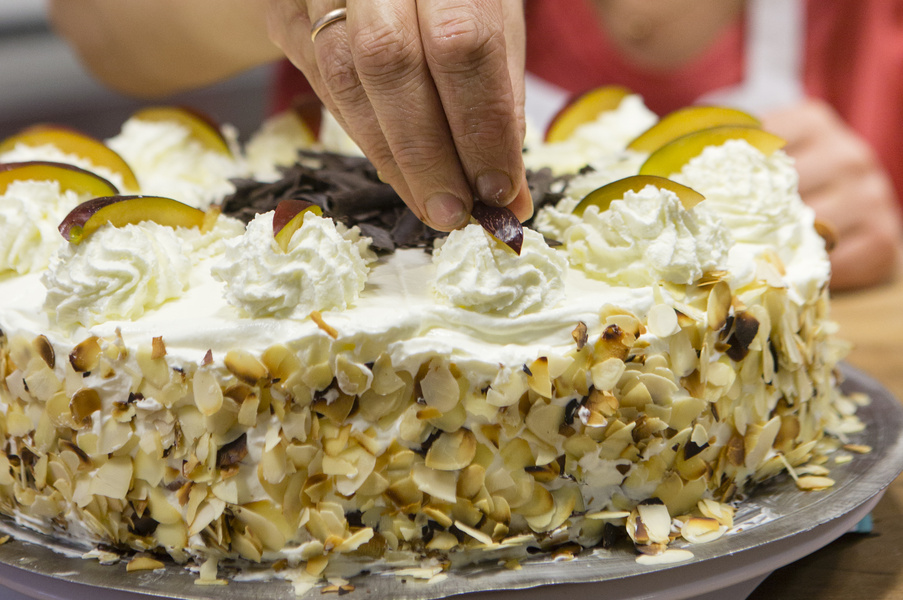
42 81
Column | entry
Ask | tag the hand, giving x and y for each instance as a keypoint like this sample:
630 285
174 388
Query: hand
843 181
431 90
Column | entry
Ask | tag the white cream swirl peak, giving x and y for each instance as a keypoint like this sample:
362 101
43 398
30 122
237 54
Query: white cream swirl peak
475 271
118 273
28 236
321 269
215 392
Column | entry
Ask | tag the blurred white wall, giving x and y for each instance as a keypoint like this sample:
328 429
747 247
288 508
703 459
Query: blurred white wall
42 81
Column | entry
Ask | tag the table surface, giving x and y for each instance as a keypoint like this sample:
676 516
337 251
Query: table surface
859 566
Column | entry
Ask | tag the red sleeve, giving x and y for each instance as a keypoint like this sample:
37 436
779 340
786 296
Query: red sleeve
567 47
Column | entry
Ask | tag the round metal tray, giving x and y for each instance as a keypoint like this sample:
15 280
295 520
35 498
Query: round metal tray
776 526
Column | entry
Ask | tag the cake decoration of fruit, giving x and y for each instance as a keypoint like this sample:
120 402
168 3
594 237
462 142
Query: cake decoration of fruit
284 366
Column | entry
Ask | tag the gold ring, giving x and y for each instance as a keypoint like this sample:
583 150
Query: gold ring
333 16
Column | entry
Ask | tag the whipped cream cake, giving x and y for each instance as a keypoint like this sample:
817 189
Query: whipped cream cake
374 394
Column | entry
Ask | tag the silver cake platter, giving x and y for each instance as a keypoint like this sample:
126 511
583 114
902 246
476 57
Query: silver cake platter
776 526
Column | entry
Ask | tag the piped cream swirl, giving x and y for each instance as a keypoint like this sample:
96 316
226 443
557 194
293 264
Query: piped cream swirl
116 273
169 162
322 269
647 237
30 212
476 272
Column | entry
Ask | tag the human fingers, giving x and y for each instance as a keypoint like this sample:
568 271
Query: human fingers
466 48
385 41
825 150
328 66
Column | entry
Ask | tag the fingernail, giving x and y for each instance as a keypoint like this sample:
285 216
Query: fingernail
494 187
445 211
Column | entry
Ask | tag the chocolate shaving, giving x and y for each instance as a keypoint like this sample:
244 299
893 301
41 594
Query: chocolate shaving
746 327
348 190
233 452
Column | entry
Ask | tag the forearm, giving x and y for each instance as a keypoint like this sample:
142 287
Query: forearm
157 47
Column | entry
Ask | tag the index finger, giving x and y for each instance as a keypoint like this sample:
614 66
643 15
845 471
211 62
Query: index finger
468 50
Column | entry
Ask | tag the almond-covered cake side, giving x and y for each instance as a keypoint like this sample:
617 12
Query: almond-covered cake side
357 392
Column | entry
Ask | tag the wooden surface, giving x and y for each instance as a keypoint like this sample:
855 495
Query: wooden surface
859 566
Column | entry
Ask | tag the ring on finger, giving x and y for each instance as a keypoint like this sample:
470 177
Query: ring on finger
333 16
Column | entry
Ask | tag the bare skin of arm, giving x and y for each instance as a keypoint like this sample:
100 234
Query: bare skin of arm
431 90
152 48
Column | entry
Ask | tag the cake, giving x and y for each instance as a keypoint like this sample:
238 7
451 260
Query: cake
362 393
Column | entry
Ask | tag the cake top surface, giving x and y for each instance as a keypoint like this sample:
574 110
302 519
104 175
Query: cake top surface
463 295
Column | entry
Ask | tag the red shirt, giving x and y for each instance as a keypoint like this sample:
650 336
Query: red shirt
853 60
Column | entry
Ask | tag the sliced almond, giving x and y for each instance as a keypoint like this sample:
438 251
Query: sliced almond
452 451
245 366
86 355
45 350
143 563
158 348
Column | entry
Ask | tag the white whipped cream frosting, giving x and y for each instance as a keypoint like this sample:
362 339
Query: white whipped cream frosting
757 198
324 268
476 272
50 153
168 161
647 237
603 139
116 273
755 195
29 214
554 221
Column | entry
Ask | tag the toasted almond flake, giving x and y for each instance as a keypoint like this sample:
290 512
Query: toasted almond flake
208 396
207 573
700 530
858 448
843 459
317 564
718 306
113 478
814 483
452 451
158 348
475 534
538 377
86 355
245 366
608 515
672 555
439 387
723 513
104 557
662 321
143 563
827 232
438 516
45 350
812 469
211 582
425 572
580 335
518 540
438 484
317 318
355 540
84 403
657 521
